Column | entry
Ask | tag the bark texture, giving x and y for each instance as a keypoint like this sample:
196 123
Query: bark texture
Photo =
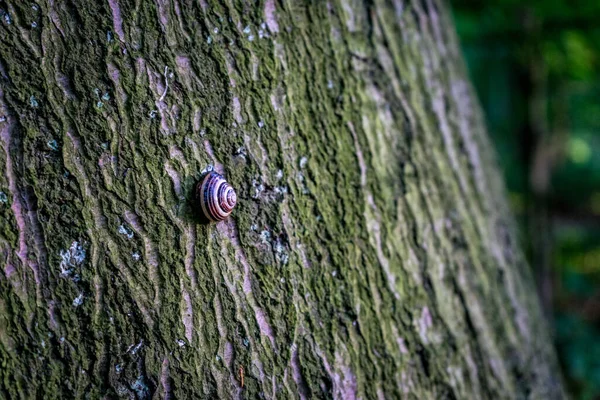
371 254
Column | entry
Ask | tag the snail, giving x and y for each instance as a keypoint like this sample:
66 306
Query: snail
216 197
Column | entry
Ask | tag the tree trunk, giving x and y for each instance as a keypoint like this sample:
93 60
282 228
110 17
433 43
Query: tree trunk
371 253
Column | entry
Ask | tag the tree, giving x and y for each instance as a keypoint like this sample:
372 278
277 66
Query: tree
371 253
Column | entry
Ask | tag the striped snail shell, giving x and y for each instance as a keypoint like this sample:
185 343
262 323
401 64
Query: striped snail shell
217 198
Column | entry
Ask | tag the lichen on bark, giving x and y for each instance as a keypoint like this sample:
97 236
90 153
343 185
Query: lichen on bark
371 254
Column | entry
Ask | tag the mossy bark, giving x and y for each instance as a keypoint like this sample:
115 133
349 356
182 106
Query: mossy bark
371 254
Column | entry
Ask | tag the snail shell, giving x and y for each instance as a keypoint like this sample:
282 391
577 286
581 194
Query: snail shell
217 198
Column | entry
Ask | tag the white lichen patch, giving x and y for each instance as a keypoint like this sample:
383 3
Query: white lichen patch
300 179
136 256
3 198
265 237
241 152
281 190
6 16
258 188
207 169
71 258
181 342
78 300
280 254
303 162
248 32
262 31
141 388
134 349
126 231
52 144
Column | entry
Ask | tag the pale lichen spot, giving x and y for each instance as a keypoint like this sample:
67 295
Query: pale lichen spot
6 17
258 188
241 152
261 32
181 342
3 198
33 101
207 169
141 388
78 300
303 162
280 254
126 231
52 144
136 256
134 349
71 258
281 190
265 237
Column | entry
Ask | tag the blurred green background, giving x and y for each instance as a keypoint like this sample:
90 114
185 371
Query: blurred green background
535 68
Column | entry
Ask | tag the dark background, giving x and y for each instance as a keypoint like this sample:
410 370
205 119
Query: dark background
535 66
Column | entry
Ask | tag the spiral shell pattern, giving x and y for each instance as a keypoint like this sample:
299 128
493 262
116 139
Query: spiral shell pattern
217 198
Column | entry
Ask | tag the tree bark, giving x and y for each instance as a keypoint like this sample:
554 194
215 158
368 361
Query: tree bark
371 253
